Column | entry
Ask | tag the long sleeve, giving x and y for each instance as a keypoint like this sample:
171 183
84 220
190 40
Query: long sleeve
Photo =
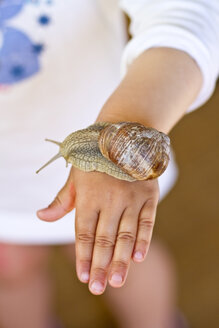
188 25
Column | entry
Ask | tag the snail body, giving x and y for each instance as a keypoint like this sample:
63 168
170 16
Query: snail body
126 150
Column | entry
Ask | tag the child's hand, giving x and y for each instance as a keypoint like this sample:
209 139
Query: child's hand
114 223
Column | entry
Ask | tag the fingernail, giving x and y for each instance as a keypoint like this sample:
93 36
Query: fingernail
44 213
116 279
138 256
41 212
97 287
48 213
85 276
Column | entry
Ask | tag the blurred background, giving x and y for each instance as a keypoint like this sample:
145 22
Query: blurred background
187 222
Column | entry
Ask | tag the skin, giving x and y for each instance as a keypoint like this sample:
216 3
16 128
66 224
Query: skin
115 220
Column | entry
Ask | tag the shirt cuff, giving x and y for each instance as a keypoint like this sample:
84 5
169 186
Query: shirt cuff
181 39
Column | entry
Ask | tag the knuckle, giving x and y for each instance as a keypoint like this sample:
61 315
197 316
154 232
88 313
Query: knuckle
121 264
109 195
152 202
152 190
130 196
143 243
126 236
57 201
85 263
104 241
133 195
85 237
146 223
113 199
99 271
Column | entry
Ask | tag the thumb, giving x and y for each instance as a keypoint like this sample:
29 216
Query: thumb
63 203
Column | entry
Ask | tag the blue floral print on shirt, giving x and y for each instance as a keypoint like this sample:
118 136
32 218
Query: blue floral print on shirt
19 56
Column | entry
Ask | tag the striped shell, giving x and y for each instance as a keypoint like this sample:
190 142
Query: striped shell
139 151
127 151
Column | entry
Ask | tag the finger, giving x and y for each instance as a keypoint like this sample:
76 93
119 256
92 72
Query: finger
103 249
85 227
62 204
145 229
124 247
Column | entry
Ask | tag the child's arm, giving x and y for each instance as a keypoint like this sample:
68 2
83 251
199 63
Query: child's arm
156 91
114 218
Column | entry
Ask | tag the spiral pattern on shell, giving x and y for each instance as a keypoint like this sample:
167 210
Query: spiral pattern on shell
141 152
125 150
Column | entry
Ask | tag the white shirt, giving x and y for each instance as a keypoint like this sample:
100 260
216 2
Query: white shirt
188 25
60 60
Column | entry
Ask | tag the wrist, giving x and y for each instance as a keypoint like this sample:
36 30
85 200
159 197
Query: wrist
156 91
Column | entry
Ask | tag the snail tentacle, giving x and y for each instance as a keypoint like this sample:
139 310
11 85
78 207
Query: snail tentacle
50 161
125 150
53 141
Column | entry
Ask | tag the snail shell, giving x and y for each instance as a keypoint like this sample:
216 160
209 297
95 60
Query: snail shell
141 152
126 150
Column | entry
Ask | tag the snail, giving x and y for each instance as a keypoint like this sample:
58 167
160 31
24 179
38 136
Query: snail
125 150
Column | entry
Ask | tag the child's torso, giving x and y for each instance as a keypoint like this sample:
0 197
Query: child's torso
59 63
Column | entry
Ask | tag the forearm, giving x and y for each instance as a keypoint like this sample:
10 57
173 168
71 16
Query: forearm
156 91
